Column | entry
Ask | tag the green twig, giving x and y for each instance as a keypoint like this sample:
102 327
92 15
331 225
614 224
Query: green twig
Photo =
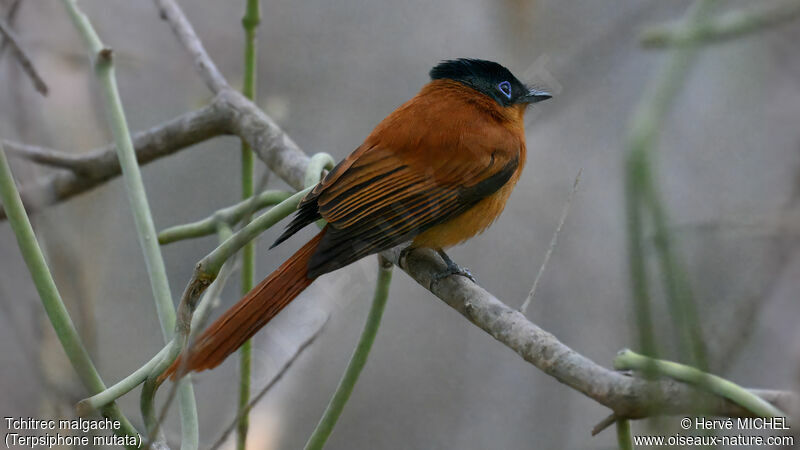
208 268
169 352
122 387
51 299
731 25
210 298
629 360
641 193
676 281
250 21
274 380
639 280
357 361
624 434
205 273
104 69
230 215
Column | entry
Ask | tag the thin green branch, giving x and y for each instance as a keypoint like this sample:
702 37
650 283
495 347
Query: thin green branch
676 282
208 268
212 262
641 193
86 406
104 70
206 304
731 25
51 299
624 435
250 21
637 268
169 352
317 164
272 382
357 361
230 215
629 360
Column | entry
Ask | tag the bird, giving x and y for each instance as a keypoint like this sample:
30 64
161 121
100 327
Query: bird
435 172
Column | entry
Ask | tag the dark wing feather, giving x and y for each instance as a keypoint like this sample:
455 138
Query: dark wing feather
395 206
413 172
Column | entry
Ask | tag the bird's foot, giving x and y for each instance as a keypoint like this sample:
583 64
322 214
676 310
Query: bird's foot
452 269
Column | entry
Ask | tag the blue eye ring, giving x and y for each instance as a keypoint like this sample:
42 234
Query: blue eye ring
505 88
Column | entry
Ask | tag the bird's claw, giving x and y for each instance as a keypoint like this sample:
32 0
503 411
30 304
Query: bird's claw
454 269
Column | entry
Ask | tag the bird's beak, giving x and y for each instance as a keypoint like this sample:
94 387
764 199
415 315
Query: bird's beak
535 96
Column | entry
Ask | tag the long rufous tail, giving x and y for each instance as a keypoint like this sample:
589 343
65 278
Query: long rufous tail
252 312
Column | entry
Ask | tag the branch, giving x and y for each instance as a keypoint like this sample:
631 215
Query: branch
99 166
51 298
274 380
270 143
628 360
230 216
628 397
172 13
553 241
228 113
732 25
357 361
103 61
11 15
22 57
47 156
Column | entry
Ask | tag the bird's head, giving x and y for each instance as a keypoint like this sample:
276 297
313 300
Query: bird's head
489 78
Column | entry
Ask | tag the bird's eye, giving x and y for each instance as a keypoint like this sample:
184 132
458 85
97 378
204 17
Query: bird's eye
505 88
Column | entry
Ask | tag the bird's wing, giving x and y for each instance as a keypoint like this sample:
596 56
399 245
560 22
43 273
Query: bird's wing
384 197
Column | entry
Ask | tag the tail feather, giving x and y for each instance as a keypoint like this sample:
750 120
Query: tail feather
252 312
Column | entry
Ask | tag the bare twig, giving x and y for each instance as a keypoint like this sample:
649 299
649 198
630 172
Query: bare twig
22 56
524 308
609 420
277 377
628 397
183 30
101 165
10 16
48 156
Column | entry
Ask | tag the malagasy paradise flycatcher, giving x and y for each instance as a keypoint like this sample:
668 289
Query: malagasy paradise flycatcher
435 172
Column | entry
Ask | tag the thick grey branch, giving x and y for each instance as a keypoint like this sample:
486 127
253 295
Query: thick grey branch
22 57
184 31
270 143
99 166
278 151
627 396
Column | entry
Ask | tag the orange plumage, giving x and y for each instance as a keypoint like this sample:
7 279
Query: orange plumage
437 171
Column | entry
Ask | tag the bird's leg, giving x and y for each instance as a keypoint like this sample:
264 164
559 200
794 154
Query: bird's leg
404 253
452 268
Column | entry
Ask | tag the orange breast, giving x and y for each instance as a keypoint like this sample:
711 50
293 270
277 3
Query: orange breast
473 221
476 219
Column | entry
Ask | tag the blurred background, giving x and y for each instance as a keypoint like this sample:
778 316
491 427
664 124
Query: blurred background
728 168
